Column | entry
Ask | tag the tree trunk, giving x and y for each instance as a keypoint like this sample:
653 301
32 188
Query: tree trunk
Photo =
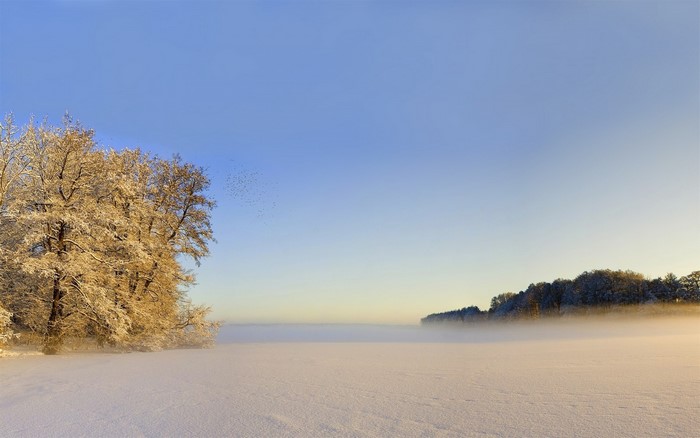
54 339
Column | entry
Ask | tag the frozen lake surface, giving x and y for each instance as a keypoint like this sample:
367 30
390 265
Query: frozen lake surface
565 378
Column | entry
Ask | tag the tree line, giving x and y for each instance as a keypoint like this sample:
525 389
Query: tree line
603 288
92 241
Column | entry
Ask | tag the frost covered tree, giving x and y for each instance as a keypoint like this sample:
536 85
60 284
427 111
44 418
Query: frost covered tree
601 289
13 158
91 240
500 300
6 332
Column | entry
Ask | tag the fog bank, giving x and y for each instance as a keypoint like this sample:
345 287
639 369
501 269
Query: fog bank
565 379
573 327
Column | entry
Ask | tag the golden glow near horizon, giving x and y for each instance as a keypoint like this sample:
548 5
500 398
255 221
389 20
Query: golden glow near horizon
395 159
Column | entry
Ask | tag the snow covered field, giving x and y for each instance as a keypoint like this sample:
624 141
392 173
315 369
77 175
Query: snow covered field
599 378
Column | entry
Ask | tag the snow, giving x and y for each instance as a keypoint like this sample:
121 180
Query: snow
598 378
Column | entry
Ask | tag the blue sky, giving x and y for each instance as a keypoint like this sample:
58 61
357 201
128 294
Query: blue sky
404 157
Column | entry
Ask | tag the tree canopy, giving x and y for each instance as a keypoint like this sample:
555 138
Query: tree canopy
602 288
91 240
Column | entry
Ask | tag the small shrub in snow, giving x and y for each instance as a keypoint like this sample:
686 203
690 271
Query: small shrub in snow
194 330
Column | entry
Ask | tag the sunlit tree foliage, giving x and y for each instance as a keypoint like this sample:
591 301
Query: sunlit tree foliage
90 240
598 289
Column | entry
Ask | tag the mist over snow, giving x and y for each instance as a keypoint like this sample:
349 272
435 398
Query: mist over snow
583 378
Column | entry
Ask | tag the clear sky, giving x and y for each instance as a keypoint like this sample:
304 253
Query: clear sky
400 157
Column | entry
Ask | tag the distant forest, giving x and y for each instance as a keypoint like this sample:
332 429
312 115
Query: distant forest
601 289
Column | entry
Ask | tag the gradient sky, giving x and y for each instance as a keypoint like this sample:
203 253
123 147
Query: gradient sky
400 158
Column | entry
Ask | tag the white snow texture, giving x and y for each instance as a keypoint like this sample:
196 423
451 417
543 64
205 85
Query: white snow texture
564 379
